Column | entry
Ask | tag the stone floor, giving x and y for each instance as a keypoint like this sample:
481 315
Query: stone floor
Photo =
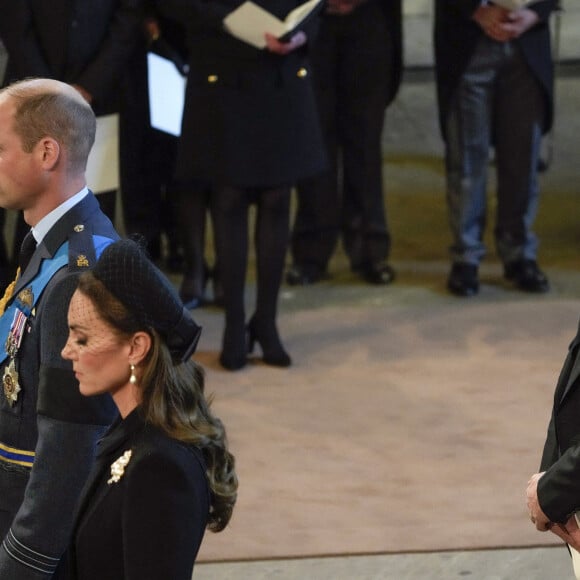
530 564
413 129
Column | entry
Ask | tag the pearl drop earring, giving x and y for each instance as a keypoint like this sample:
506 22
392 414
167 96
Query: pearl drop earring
133 378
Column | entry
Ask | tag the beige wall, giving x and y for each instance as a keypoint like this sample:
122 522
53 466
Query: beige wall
417 6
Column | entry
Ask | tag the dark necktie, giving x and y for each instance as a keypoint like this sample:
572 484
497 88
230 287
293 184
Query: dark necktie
26 250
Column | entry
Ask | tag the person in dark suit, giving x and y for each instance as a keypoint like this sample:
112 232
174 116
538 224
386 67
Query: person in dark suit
85 44
48 432
155 204
553 494
494 82
250 130
163 472
148 154
357 63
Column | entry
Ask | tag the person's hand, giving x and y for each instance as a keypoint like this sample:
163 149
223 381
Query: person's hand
492 20
537 516
342 7
152 30
569 532
84 93
278 47
519 21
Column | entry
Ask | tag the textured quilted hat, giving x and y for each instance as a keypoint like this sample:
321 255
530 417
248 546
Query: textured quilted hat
130 276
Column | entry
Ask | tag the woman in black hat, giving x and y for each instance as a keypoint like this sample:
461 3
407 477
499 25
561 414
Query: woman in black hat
163 473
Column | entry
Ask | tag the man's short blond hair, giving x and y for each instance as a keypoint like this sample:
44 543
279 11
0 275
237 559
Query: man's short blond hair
49 108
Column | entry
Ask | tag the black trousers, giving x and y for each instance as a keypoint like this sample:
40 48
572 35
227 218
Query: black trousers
350 60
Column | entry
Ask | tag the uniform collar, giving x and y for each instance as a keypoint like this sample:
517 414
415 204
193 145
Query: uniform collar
47 222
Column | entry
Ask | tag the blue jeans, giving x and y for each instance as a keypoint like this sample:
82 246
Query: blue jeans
499 104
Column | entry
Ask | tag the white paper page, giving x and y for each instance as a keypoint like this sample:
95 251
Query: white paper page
249 22
166 94
103 165
300 13
513 4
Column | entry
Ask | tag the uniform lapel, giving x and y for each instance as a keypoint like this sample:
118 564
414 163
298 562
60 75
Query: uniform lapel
41 253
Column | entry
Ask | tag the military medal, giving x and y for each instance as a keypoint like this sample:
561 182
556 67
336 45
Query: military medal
10 378
26 298
10 382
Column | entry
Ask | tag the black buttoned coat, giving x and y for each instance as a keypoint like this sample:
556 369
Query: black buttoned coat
150 523
250 116
559 488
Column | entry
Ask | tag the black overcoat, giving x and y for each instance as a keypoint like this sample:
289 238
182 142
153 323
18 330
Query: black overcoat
559 488
150 523
250 116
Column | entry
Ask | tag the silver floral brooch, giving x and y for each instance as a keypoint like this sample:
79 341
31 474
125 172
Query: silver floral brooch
118 467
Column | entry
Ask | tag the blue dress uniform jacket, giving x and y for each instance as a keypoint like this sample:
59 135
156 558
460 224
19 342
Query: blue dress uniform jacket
250 117
149 523
559 488
51 424
457 34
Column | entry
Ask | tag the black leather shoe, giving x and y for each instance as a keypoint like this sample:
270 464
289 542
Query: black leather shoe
463 279
298 275
527 276
381 274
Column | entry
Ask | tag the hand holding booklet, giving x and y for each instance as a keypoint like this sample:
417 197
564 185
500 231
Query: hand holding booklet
249 22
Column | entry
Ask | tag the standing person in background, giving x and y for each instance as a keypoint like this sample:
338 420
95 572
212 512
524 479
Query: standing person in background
163 472
495 88
85 44
147 155
357 63
250 130
48 432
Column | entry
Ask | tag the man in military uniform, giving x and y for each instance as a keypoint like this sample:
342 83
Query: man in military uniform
48 430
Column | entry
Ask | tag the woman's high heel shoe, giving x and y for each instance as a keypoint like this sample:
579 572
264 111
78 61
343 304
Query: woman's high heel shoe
273 352
234 355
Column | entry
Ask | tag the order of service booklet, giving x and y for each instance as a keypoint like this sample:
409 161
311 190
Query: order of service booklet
249 22
513 4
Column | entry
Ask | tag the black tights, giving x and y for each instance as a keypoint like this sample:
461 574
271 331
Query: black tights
230 208
192 203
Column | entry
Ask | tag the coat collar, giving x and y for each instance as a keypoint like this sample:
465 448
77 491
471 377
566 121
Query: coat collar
119 434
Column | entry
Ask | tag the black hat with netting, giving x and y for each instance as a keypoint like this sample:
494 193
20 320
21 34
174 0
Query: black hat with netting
128 274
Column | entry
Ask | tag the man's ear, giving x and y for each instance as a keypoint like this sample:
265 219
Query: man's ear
140 346
49 152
